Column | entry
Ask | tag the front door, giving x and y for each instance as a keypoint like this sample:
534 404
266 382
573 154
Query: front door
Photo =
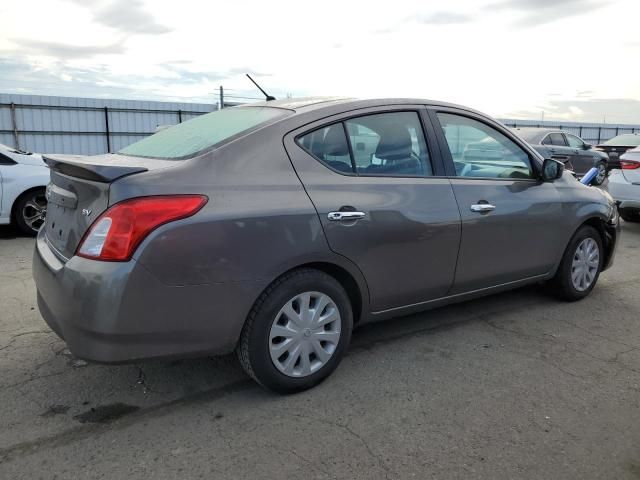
508 215
372 180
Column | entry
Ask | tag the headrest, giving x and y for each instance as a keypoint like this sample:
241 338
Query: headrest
394 144
335 143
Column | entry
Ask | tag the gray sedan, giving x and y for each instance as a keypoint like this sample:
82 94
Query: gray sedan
273 229
577 155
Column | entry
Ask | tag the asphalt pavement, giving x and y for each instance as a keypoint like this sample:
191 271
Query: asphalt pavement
513 386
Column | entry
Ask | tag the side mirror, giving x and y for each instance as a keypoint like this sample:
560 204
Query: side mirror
587 146
551 170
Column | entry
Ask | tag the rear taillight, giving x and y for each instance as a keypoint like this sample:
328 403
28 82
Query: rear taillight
116 234
629 164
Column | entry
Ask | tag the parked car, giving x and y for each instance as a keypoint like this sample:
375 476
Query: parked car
624 185
23 178
272 229
575 153
617 146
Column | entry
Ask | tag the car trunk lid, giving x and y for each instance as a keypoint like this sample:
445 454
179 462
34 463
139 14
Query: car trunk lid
79 192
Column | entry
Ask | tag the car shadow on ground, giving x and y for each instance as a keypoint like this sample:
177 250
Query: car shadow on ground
10 232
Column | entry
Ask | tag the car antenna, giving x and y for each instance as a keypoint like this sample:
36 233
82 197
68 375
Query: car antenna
269 97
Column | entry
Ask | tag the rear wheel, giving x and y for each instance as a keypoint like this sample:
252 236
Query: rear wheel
580 266
30 211
297 332
630 214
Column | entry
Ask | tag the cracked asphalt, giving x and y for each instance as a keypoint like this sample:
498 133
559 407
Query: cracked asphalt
514 386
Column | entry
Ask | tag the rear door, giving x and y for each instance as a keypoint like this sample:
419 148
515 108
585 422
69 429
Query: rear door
376 182
512 224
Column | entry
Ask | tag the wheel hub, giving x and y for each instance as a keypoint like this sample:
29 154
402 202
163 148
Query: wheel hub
304 334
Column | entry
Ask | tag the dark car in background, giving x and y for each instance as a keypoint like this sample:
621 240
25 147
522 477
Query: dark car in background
618 145
272 229
577 155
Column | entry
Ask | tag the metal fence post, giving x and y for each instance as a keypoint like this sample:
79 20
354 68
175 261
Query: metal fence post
179 116
14 124
106 128
599 134
580 134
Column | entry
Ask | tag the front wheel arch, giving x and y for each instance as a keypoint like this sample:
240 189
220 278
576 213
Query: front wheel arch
16 202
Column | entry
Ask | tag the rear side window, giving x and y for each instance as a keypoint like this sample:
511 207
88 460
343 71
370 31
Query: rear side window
201 133
387 144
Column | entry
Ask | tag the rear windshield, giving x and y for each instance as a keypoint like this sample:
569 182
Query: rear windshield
624 141
198 134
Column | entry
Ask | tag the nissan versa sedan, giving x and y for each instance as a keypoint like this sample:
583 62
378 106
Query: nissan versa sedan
273 229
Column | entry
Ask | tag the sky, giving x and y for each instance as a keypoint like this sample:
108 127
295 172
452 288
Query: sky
576 60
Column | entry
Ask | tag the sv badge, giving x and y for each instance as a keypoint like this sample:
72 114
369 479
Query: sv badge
86 212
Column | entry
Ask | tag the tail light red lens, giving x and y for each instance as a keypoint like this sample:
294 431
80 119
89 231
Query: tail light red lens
116 234
629 164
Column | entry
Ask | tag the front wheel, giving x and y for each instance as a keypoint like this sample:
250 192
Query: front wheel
30 211
602 174
297 332
580 265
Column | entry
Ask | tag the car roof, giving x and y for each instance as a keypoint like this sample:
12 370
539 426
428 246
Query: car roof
534 134
305 104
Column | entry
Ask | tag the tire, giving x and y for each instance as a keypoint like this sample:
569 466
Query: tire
260 345
630 214
602 174
30 210
563 285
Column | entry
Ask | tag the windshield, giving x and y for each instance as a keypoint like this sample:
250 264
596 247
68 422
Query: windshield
624 141
201 133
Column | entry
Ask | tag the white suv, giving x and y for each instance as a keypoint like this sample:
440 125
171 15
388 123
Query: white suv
23 179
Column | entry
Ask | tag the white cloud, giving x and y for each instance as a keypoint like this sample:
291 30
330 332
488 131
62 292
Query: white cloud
471 52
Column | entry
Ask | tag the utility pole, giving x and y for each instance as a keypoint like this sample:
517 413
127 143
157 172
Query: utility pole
221 97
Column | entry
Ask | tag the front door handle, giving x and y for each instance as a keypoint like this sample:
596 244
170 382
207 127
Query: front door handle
345 216
482 207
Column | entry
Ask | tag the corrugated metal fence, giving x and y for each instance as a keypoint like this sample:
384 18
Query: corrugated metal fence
89 126
593 133
85 126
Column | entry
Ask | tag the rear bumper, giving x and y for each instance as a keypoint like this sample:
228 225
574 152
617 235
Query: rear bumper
115 312
625 193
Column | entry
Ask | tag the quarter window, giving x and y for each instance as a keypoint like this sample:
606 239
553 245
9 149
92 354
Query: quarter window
329 145
481 151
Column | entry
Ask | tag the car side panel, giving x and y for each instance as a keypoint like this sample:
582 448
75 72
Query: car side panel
17 179
407 244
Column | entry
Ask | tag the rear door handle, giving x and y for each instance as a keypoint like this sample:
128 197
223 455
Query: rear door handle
482 207
345 216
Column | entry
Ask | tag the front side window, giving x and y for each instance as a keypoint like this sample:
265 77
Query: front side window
574 141
554 139
481 151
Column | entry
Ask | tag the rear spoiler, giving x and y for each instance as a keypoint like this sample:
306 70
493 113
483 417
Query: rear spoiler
99 168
